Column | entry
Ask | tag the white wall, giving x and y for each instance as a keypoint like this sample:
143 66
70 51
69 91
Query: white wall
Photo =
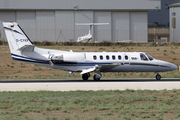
65 21
138 26
102 32
175 33
81 4
6 16
60 25
27 19
120 26
45 26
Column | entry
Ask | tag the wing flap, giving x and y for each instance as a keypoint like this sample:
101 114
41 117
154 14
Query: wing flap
88 70
97 68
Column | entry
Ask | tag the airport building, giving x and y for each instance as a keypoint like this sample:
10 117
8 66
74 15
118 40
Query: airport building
55 20
174 18
161 17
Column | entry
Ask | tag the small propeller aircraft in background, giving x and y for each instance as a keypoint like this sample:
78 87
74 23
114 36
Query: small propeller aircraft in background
88 37
22 49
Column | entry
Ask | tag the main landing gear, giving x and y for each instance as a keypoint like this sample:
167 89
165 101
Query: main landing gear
96 77
158 77
86 76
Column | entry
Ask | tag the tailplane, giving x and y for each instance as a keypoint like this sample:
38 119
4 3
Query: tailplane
17 39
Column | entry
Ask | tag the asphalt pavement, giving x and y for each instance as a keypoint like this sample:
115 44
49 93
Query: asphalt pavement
104 84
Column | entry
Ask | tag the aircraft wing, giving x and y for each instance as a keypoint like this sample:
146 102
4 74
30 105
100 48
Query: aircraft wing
109 66
97 68
88 70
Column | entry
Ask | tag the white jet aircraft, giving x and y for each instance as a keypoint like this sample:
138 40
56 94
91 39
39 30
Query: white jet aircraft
88 37
22 49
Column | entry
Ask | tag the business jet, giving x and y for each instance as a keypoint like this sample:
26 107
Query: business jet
22 49
88 37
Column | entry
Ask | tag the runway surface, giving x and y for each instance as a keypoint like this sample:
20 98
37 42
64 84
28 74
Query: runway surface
73 85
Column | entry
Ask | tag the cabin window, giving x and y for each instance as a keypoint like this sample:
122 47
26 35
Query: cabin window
126 57
107 57
143 57
113 57
101 57
119 57
94 57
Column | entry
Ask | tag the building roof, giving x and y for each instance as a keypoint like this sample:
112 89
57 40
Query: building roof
175 5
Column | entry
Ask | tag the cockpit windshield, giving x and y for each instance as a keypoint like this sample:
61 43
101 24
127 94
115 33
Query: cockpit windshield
143 57
150 57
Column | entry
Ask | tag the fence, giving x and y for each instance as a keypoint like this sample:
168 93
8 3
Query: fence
158 34
99 34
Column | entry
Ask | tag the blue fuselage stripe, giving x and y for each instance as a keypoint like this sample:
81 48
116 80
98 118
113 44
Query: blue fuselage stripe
26 59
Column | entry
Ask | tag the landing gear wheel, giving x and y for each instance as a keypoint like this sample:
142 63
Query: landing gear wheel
85 76
158 77
96 77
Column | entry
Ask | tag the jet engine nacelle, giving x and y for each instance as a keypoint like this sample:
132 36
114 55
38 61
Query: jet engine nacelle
68 57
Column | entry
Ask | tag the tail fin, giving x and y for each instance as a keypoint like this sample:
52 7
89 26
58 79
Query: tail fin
16 37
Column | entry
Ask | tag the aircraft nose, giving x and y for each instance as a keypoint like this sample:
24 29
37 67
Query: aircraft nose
167 65
173 66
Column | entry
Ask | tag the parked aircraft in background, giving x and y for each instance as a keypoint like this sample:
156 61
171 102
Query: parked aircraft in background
22 49
88 37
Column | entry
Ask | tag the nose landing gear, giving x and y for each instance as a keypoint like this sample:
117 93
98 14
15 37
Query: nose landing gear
158 77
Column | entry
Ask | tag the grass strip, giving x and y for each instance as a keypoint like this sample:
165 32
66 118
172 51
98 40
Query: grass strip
91 105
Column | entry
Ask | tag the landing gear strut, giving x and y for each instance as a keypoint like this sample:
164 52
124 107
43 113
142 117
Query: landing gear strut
85 76
158 77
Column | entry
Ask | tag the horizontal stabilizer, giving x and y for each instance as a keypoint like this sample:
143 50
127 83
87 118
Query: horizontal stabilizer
27 48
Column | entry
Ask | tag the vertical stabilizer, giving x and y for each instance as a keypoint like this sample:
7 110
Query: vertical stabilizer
16 37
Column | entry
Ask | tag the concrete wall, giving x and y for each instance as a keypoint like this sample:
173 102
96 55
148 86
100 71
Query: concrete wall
174 33
56 20
161 16
121 26
81 4
61 25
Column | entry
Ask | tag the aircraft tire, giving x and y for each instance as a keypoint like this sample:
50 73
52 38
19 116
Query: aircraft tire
96 78
85 76
158 77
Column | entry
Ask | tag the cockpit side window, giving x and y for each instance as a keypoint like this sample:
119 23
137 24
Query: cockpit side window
150 57
143 57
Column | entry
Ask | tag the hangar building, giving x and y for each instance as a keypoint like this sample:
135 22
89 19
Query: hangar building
174 18
161 17
55 20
